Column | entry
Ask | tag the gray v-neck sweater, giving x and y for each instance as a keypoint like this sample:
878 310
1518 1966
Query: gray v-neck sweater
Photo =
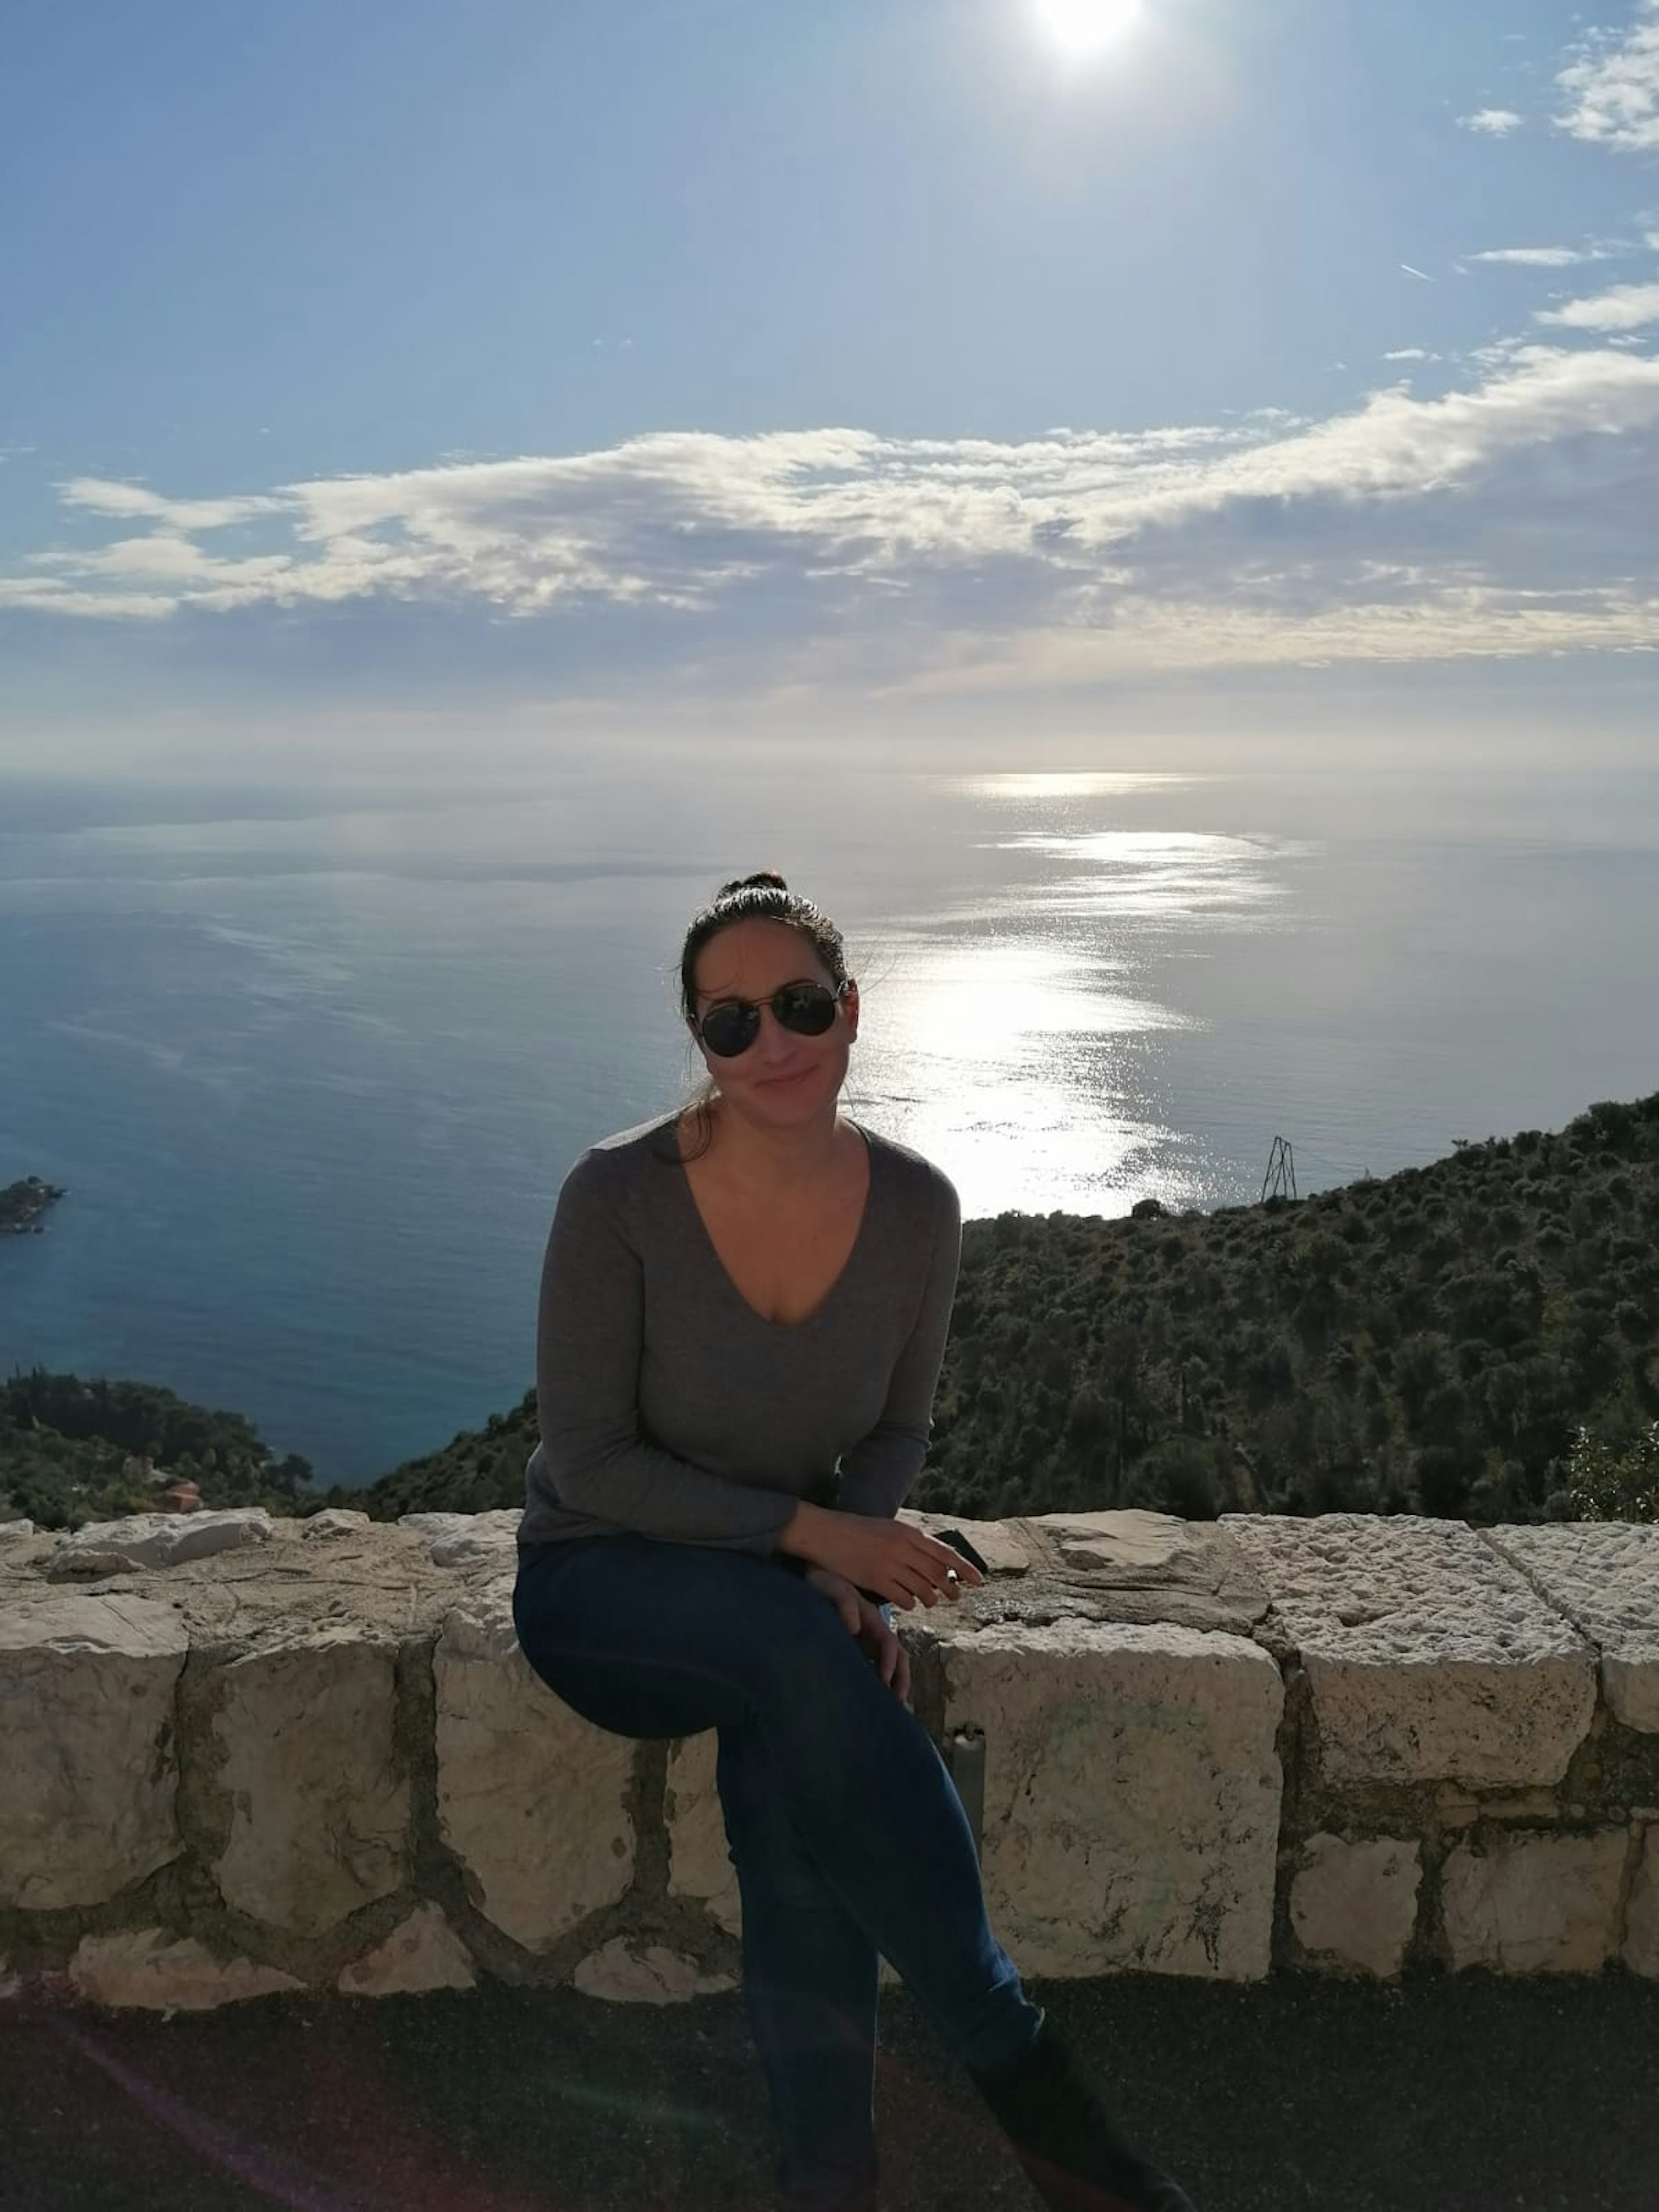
669 1406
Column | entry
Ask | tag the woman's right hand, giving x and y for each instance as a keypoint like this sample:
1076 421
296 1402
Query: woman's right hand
899 1562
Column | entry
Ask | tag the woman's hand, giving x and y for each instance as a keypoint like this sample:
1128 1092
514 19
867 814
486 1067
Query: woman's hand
886 1654
902 1564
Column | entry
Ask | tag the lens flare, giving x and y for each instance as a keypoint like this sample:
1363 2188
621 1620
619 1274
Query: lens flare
1083 27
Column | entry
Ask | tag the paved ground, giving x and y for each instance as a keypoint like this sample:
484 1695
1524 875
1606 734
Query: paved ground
1462 2094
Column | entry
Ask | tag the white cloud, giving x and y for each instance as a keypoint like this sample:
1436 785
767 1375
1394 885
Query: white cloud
1495 122
1625 307
97 495
1472 623
166 558
1544 257
1421 274
1504 517
1411 353
44 595
1613 86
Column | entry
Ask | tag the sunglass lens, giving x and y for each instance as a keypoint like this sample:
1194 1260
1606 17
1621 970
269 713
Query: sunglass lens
728 1030
806 1008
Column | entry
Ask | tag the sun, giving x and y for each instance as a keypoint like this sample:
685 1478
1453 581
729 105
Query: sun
1083 26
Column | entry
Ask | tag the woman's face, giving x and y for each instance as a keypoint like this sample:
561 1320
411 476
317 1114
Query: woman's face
750 960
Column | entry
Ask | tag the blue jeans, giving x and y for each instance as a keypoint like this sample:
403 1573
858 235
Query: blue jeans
844 1826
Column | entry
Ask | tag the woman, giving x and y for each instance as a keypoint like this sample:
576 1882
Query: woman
743 1310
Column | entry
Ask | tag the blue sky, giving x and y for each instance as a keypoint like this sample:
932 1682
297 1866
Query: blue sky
384 382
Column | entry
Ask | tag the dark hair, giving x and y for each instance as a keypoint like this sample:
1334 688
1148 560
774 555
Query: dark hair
764 896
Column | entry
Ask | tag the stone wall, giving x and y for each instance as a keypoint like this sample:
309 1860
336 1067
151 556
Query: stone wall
245 1755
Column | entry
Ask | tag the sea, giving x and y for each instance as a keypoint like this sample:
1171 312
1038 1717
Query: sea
311 1062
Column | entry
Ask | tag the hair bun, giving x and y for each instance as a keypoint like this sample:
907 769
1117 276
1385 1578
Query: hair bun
762 880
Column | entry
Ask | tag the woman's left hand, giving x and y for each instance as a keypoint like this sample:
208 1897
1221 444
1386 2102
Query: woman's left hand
886 1654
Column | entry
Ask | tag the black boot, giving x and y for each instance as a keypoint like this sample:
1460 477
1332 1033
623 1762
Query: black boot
1072 2150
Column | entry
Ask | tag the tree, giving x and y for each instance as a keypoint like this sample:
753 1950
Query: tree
1607 1485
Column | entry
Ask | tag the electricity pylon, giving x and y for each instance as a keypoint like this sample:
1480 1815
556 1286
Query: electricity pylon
1279 1182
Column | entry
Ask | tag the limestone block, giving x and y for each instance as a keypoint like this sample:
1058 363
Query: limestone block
165 1540
653 1975
86 1717
16 1532
1355 1904
699 1854
1642 1916
1533 1903
320 1804
1462 1808
1154 1566
1428 1657
1131 1796
468 1539
333 1523
421 1953
532 1798
429 1527
1604 1576
146 1968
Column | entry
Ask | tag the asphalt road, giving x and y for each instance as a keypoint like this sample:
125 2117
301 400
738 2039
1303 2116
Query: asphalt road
1462 2093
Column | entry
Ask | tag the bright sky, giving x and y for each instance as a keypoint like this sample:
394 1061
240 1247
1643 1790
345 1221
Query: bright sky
472 378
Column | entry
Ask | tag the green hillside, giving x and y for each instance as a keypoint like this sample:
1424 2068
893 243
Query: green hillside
1478 1339
70 1452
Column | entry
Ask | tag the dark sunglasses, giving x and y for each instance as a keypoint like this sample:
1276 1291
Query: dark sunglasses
808 1009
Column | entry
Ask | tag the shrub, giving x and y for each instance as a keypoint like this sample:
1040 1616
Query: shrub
1608 1484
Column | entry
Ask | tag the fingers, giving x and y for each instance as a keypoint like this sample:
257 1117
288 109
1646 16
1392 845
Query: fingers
889 1659
934 1583
931 1592
936 1561
893 1664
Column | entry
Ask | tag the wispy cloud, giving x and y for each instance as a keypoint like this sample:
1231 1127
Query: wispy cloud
1625 307
1411 353
1613 86
1495 122
1422 275
1507 516
1545 256
47 595
99 497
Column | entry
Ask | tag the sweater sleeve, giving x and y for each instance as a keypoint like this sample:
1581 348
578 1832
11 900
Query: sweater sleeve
589 1329
877 1473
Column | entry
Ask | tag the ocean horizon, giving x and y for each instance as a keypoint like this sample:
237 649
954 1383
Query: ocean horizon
311 1062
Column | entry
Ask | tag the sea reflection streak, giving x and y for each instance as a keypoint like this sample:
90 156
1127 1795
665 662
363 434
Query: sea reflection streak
1025 1021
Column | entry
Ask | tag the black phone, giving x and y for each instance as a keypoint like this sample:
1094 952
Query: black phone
958 1542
